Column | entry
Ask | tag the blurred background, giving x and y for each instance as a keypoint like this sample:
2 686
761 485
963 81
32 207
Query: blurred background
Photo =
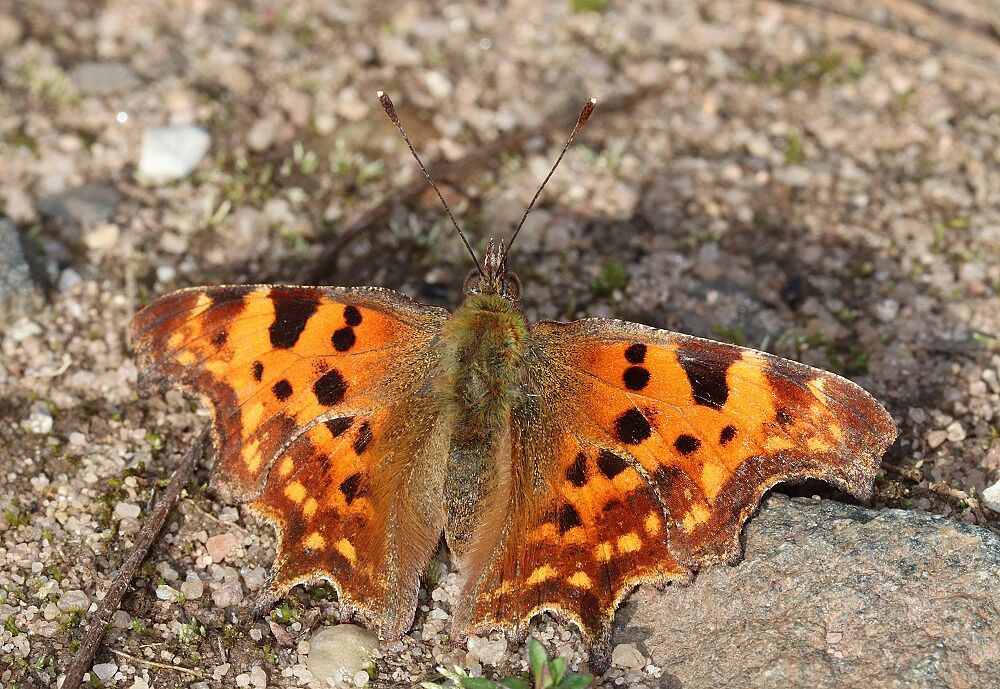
818 178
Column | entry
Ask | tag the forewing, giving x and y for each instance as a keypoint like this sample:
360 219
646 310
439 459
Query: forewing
323 422
638 454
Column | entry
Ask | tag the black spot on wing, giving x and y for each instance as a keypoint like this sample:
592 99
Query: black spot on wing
706 368
783 417
343 339
632 427
636 353
349 487
636 377
282 390
569 518
258 371
330 388
364 438
352 316
727 435
686 444
610 464
220 338
339 426
576 473
292 310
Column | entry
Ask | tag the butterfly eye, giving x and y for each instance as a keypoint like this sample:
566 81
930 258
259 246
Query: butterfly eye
471 282
511 286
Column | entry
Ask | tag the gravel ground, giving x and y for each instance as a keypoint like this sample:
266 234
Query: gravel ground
819 181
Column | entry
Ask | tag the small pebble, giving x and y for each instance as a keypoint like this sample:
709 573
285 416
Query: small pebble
936 438
955 431
991 497
167 592
340 651
39 421
193 587
73 600
228 594
627 657
105 671
103 237
172 152
22 329
220 546
127 510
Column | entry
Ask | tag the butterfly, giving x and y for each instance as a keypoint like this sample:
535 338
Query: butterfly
564 463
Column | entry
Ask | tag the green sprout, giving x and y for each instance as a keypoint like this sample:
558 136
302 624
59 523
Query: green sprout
545 674
612 278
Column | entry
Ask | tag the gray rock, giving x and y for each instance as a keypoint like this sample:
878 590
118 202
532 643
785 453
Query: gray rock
103 78
172 152
831 596
340 652
81 209
20 270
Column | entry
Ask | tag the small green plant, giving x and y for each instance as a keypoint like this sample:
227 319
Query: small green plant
284 613
793 150
545 674
11 627
613 277
191 632
599 6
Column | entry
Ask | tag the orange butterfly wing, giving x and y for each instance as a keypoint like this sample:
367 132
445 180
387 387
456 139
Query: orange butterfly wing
636 457
323 422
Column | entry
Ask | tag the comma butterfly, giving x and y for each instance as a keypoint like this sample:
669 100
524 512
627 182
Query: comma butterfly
565 463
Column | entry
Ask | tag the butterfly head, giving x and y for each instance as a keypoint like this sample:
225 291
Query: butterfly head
495 278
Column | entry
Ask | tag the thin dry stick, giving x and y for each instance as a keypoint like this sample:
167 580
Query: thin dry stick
97 622
153 663
363 221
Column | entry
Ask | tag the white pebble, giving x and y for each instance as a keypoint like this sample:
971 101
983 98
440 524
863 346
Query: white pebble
105 671
991 497
39 420
956 433
172 152
437 84
258 678
166 592
360 678
488 652
340 651
102 237
166 273
127 510
23 329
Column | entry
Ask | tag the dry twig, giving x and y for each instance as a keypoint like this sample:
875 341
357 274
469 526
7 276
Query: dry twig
153 663
98 621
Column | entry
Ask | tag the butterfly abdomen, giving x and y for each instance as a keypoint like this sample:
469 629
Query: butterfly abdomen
485 344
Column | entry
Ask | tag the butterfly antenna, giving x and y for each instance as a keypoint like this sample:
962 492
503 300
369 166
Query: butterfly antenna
588 109
390 110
